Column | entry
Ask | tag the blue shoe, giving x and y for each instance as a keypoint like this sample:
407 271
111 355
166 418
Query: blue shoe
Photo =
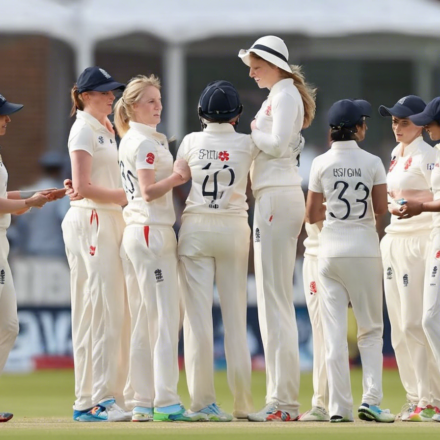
215 414
177 413
142 414
107 411
371 413
77 413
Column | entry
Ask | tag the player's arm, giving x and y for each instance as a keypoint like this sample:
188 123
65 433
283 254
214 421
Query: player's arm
413 207
379 196
315 209
152 190
284 112
81 181
11 206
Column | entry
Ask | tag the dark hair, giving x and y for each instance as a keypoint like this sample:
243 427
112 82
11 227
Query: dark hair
77 102
343 133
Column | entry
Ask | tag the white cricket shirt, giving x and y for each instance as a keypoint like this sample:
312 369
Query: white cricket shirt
345 175
88 134
409 176
279 123
143 148
220 159
435 184
5 219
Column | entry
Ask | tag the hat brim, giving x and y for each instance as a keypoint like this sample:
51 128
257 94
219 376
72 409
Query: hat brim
8 108
273 59
396 111
421 119
107 87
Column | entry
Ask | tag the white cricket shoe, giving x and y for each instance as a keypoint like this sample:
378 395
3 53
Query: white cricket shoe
406 411
261 416
215 413
142 414
316 414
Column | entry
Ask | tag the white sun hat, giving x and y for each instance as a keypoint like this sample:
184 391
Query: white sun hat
270 48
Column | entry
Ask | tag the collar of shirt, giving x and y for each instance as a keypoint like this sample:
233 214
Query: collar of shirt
216 127
91 120
148 131
410 148
280 85
437 146
345 145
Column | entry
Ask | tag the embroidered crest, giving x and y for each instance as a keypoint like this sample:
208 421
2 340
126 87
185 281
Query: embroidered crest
150 158
223 156
101 139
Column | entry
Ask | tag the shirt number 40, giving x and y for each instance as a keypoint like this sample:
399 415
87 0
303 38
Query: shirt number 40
359 187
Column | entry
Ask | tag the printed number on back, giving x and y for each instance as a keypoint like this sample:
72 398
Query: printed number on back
215 184
359 187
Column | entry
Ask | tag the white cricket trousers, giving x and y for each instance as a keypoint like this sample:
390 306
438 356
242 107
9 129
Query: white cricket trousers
431 300
153 296
100 318
313 292
357 280
215 248
404 264
278 218
8 303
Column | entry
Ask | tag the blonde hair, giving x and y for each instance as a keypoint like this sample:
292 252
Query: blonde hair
77 102
124 108
307 91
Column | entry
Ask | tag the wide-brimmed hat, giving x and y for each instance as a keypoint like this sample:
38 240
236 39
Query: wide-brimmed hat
271 49
404 107
97 79
7 108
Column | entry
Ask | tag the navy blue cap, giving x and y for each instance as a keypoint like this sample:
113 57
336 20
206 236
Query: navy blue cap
7 108
347 113
97 79
404 107
365 107
431 113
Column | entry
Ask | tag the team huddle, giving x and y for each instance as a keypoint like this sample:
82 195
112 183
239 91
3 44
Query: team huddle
134 285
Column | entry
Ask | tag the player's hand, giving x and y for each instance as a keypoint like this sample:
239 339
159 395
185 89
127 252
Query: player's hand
410 209
392 209
38 200
254 125
54 194
73 195
181 167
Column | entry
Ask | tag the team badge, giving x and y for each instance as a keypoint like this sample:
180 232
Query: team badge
389 273
408 163
150 158
434 272
223 156
437 255
268 110
106 74
392 164
101 140
158 275
257 235
313 289
405 280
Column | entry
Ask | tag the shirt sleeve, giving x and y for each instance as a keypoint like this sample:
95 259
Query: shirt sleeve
82 139
427 165
182 152
284 113
380 176
146 155
315 184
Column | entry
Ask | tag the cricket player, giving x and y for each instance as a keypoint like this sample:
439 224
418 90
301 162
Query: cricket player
353 183
92 230
430 119
404 252
11 202
279 215
214 247
149 248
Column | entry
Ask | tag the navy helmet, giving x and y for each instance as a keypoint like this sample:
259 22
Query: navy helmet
404 107
431 113
347 113
219 102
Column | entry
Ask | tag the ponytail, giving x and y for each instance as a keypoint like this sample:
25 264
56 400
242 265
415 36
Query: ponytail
121 118
77 102
307 92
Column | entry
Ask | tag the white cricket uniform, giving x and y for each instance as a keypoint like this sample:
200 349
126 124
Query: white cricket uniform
350 269
92 234
214 246
313 291
404 253
278 218
431 303
150 247
8 301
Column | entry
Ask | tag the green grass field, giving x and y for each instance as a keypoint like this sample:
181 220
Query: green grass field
42 401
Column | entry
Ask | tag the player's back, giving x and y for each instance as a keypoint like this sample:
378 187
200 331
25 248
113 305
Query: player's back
345 175
220 159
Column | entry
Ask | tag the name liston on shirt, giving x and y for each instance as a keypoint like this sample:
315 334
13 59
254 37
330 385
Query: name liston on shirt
347 172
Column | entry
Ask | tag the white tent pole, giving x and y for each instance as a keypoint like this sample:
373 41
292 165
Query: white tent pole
175 89
423 73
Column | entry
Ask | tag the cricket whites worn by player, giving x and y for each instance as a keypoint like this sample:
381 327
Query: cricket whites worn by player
349 263
278 218
404 252
149 253
92 232
214 247
312 290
